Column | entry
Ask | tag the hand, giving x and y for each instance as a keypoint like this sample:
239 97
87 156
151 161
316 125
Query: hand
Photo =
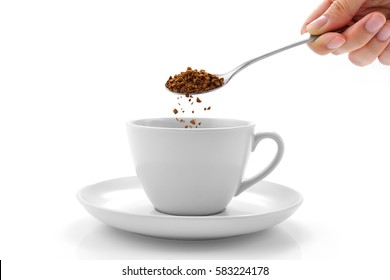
367 36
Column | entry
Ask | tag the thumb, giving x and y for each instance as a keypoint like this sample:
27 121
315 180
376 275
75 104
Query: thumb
337 14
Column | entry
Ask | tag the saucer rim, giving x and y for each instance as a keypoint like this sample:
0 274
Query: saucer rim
195 217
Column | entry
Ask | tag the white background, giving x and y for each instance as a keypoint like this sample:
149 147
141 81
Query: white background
71 74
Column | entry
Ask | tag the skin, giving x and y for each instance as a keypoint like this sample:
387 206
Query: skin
367 36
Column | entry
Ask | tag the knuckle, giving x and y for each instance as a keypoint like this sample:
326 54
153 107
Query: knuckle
340 8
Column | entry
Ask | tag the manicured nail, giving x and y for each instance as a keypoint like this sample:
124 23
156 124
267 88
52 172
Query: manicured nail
384 34
335 43
317 24
375 23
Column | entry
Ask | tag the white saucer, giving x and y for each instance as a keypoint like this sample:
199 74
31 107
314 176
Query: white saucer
121 203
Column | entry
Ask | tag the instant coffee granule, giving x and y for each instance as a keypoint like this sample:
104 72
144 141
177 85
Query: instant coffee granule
193 81
188 100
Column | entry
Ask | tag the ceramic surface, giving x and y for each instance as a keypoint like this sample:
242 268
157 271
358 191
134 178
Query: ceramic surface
122 203
195 171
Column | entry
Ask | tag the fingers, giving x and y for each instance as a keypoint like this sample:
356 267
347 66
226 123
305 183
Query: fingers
332 15
360 34
316 14
377 47
327 43
384 58
365 41
384 34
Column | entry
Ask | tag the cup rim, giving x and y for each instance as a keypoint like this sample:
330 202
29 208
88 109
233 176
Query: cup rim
136 123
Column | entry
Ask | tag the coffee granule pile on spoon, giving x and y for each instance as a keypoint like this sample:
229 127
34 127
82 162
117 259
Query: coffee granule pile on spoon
193 81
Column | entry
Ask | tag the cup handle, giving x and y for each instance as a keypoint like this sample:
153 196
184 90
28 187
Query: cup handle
271 166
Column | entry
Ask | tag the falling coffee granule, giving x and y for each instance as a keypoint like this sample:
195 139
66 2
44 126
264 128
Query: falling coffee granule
193 81
190 103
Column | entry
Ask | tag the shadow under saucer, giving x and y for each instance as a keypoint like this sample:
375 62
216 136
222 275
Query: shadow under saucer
104 242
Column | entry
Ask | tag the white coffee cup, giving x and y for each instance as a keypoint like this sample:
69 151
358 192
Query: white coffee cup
195 171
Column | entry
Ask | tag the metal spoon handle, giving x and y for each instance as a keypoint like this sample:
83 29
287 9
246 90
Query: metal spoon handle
236 70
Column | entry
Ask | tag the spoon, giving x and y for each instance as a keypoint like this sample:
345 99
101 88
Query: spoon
229 75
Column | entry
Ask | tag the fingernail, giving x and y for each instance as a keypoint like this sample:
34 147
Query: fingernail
335 43
317 24
375 23
384 34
